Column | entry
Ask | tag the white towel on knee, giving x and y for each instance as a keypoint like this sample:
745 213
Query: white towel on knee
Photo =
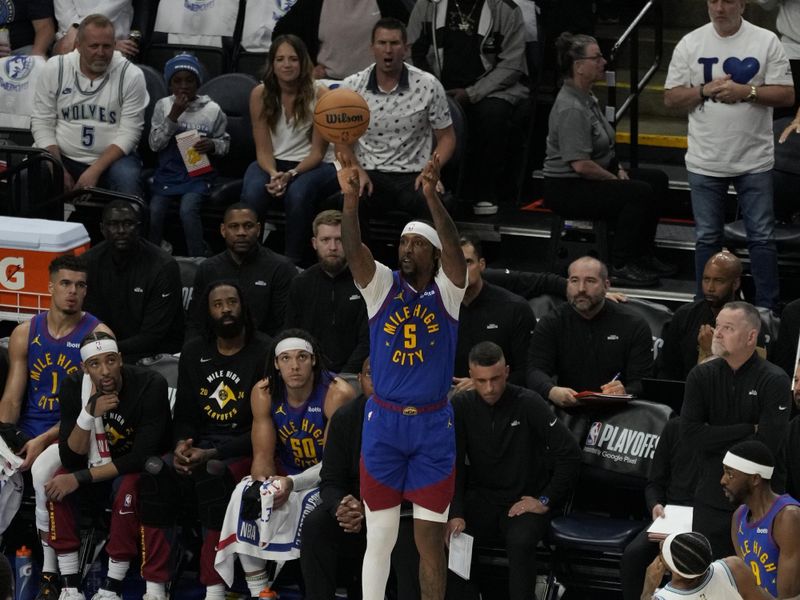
273 536
99 453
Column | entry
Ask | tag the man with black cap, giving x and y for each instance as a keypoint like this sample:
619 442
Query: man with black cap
765 529
687 556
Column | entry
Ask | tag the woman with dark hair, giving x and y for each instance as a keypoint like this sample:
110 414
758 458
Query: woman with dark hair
583 178
289 152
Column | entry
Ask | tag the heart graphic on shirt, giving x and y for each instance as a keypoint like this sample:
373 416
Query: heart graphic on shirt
741 71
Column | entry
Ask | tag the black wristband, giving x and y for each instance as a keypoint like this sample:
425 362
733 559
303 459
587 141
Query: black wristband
83 476
703 97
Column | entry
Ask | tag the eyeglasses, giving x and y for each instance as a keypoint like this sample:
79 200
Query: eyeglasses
595 57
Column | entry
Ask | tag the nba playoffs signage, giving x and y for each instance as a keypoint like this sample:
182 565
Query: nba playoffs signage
622 439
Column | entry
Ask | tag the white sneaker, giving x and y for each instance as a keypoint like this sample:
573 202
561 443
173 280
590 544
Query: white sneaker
71 594
106 595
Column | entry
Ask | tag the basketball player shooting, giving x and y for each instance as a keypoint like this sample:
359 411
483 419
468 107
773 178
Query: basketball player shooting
408 439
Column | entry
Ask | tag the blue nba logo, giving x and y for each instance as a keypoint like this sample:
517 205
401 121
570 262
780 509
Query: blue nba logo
594 433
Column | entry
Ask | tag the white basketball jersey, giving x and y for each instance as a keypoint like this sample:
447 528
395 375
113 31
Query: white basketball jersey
718 584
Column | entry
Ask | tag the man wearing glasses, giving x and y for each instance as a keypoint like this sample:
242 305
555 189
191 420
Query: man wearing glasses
134 287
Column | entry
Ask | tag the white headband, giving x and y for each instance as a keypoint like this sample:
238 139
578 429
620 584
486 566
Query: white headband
425 230
293 343
96 347
747 466
666 554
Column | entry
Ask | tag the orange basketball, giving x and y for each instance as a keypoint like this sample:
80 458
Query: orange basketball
341 116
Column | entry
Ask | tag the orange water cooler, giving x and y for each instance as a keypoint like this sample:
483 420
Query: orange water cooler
26 248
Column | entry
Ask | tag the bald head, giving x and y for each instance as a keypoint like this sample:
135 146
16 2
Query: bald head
721 279
590 263
727 262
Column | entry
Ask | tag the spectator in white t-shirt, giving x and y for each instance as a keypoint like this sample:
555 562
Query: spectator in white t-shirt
728 75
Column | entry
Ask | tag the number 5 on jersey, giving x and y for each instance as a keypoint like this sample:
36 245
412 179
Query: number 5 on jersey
87 136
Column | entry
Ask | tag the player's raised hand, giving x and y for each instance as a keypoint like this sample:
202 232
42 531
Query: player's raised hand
430 175
348 176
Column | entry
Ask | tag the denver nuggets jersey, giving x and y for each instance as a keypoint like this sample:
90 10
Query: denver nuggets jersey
757 546
413 339
50 360
301 431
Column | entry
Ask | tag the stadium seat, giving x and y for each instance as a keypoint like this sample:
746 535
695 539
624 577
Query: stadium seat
32 183
656 315
156 89
188 268
232 92
786 173
167 366
545 303
607 509
216 59
565 230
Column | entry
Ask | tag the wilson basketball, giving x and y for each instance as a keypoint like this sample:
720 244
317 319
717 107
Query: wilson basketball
341 116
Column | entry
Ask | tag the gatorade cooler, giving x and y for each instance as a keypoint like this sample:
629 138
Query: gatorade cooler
26 248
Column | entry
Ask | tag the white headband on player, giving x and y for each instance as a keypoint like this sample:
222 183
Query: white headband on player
293 343
747 466
666 554
96 347
425 230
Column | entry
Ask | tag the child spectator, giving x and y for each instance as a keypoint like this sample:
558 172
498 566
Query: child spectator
183 111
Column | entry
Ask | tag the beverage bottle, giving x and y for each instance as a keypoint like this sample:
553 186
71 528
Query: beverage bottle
23 567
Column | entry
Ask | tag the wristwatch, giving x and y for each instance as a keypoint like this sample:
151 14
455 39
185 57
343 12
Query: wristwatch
293 173
544 500
753 95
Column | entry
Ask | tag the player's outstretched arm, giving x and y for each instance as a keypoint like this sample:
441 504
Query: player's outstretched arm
362 264
263 432
453 262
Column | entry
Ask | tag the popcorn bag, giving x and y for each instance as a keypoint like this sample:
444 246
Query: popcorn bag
196 162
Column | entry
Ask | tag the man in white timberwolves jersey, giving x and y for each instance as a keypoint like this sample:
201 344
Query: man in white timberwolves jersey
89 111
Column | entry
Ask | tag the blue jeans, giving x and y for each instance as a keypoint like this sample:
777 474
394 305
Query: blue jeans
123 175
754 192
190 218
300 200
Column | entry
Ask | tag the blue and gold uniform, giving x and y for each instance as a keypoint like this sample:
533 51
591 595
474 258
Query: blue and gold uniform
301 430
757 546
50 360
408 443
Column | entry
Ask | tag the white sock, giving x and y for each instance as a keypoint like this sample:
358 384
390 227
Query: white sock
49 559
256 583
382 529
156 589
117 569
215 592
68 563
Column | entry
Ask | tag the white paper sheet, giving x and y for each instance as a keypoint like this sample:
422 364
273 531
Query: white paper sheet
676 519
460 554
